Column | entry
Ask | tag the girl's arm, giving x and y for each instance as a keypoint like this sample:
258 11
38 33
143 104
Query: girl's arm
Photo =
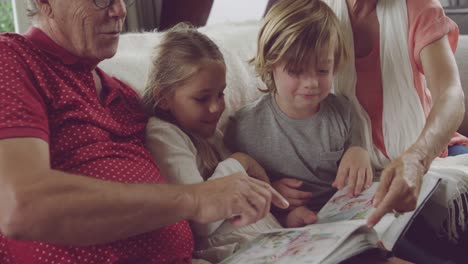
176 156
401 180
173 151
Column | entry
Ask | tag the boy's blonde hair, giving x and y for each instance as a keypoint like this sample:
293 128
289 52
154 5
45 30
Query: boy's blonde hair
178 57
293 32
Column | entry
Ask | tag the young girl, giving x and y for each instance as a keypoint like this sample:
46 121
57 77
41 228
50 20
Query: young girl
298 131
184 93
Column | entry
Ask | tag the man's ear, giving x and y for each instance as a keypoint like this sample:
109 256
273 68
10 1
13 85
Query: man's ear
45 8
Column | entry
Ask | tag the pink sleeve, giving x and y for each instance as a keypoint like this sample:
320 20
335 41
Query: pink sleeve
22 112
428 23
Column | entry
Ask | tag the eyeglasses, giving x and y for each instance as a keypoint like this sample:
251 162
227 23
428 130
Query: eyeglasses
103 4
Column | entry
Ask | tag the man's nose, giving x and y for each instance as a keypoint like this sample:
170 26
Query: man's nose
118 9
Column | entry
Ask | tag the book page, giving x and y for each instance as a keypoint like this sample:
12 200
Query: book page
310 244
358 242
341 232
390 228
342 207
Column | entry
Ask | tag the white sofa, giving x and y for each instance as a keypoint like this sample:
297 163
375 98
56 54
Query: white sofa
238 44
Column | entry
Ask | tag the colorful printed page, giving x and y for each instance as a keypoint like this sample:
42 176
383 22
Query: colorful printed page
342 207
339 234
311 244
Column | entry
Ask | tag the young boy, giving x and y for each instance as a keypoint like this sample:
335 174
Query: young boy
298 131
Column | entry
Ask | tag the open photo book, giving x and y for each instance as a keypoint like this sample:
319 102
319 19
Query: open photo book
339 233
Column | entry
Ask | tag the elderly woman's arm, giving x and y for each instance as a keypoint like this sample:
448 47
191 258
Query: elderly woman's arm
401 180
42 204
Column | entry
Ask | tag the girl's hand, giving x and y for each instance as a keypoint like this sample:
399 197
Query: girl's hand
355 170
251 166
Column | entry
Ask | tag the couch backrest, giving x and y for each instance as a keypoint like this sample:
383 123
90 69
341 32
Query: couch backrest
237 42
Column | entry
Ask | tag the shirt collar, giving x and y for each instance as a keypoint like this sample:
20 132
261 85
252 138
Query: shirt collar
48 45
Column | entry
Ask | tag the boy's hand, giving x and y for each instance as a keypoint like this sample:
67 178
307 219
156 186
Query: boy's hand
355 170
300 216
288 187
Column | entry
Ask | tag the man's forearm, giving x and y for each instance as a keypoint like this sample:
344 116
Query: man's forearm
76 210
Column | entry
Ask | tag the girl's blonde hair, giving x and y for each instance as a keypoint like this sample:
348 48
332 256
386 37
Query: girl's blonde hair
179 57
292 32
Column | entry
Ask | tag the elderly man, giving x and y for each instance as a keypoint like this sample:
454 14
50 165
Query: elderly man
76 184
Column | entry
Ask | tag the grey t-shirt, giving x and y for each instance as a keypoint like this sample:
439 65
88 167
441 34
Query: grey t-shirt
309 150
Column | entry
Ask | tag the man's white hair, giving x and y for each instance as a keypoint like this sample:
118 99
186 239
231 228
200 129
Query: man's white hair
32 8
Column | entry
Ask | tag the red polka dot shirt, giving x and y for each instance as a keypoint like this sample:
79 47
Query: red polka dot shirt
48 93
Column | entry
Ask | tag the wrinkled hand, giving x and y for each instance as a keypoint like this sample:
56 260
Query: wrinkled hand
399 186
242 199
300 216
355 170
288 188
